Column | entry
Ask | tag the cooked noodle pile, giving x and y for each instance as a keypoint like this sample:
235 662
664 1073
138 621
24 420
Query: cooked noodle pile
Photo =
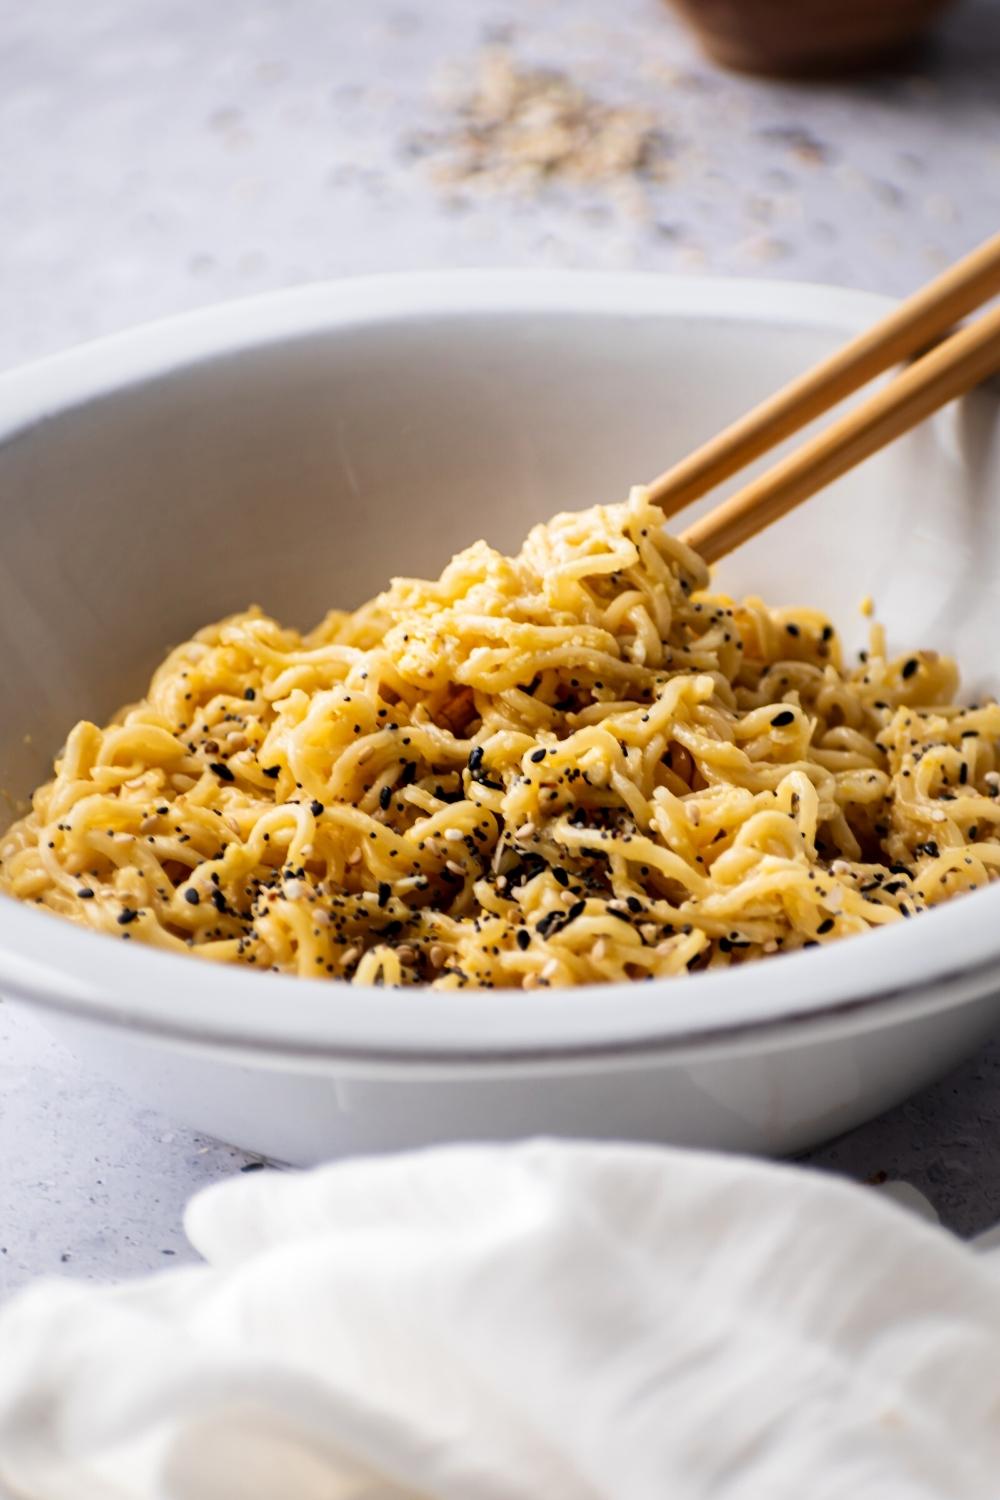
568 766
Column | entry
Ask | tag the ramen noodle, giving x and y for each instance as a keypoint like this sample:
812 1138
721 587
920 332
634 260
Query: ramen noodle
572 765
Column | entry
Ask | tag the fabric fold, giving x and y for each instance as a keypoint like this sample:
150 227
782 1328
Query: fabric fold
500 1323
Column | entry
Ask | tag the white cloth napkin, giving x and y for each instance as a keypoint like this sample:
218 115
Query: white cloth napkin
540 1322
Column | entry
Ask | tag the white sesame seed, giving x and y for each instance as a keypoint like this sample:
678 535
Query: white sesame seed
551 969
456 869
454 835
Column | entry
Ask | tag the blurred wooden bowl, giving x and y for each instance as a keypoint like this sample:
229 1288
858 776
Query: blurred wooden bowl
805 36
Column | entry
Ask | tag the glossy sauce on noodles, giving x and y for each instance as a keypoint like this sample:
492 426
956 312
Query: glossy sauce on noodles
569 766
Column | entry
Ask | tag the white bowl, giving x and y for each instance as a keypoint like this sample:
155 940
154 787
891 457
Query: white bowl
300 449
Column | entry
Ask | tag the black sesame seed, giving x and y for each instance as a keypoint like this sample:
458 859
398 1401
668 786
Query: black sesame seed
825 926
273 771
221 770
384 892
785 717
315 808
126 915
792 629
249 695
537 755
85 893
576 910
192 897
523 938
909 667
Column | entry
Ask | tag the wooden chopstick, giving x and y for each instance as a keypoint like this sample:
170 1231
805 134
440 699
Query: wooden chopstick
953 367
907 330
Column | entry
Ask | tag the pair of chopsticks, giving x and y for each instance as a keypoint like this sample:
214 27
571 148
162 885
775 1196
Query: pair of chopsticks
948 370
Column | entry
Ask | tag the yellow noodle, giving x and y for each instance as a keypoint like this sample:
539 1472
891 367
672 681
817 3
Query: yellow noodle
569 766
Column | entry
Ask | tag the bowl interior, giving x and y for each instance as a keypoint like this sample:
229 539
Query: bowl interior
304 472
299 453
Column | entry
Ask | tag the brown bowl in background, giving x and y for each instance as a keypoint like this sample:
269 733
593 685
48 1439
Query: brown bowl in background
805 36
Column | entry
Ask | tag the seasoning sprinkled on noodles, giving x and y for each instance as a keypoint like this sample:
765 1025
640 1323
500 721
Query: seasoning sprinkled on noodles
569 766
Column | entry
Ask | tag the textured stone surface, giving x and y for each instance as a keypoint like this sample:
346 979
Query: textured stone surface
160 156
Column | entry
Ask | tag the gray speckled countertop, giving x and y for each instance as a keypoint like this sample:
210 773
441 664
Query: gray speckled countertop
160 155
